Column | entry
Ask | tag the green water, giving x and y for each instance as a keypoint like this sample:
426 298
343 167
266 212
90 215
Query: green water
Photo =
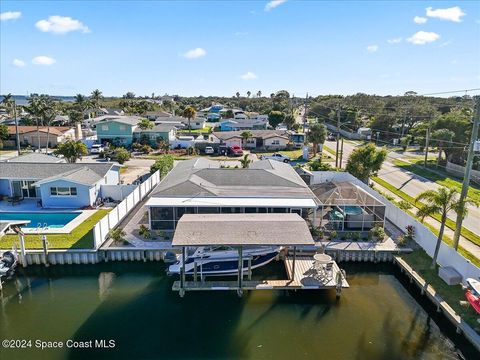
132 304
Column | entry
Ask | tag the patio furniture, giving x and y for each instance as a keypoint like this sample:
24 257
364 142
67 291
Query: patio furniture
319 265
15 199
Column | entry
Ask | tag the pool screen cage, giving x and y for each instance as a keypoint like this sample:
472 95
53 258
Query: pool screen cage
346 207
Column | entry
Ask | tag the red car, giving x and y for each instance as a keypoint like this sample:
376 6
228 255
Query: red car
236 150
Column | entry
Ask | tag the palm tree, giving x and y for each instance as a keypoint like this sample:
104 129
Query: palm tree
96 96
47 113
249 93
9 104
34 109
82 103
245 162
259 93
237 94
190 114
440 202
245 136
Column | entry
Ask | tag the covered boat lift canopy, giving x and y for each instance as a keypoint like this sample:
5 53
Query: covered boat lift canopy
240 230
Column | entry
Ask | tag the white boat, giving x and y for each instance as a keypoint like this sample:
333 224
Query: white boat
8 262
223 260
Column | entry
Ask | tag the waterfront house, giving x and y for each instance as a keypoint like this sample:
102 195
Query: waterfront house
28 135
201 186
269 140
158 114
57 184
243 124
165 132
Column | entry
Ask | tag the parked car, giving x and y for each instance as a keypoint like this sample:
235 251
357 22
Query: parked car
277 157
331 137
209 150
235 150
97 149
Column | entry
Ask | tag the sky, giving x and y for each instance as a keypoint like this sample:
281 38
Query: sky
206 48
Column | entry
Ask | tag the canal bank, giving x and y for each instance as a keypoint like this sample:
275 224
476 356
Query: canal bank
132 303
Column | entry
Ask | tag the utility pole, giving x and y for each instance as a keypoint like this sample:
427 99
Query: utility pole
305 115
338 136
17 136
427 142
468 171
341 154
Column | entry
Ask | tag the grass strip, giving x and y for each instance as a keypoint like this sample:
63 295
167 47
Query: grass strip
420 262
80 238
467 234
438 177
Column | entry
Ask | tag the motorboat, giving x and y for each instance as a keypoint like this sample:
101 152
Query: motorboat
473 293
223 260
8 261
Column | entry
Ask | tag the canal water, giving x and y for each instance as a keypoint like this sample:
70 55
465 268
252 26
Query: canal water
133 305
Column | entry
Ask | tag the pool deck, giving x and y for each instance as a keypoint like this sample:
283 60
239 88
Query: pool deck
30 205
305 277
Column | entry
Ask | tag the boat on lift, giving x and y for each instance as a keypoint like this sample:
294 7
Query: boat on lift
473 293
222 260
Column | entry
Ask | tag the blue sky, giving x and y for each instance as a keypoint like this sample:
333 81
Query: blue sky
219 48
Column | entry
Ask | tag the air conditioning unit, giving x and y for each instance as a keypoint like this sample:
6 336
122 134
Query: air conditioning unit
476 146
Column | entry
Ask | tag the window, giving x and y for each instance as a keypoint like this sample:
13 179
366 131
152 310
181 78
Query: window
122 127
275 142
63 191
105 127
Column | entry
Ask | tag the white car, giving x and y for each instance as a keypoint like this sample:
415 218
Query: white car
276 156
209 150
97 149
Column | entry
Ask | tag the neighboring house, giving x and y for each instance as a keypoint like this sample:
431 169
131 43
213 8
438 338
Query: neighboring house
182 123
105 111
260 140
155 115
29 136
165 132
58 185
243 124
118 131
201 186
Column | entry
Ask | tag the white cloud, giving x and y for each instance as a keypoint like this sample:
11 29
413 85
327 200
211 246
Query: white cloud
61 25
195 53
372 48
10 15
18 63
249 76
395 40
419 20
446 43
423 37
451 14
273 4
43 60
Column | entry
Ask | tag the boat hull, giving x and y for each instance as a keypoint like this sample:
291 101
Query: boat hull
222 267
473 300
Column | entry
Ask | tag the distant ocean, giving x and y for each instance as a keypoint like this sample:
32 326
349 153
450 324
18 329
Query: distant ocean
23 99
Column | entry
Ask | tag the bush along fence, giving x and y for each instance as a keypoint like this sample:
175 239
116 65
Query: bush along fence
447 256
114 217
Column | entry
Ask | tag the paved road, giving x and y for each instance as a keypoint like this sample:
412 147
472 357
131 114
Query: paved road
411 184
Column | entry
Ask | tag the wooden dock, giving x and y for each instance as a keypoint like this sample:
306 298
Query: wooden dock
304 278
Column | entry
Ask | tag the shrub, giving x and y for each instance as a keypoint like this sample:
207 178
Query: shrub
146 149
317 165
118 236
164 164
144 232
355 236
402 240
376 233
410 232
404 205
333 234
136 146
121 155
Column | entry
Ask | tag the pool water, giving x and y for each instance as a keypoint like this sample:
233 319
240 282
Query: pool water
378 317
352 210
52 219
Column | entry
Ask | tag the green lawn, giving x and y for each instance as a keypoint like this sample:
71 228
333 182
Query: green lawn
331 151
438 176
206 129
420 262
474 238
80 238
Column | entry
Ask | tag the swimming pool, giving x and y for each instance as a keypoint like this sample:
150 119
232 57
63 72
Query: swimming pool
352 210
52 219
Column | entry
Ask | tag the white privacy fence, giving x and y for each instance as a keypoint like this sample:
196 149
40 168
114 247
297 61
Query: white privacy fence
118 213
447 256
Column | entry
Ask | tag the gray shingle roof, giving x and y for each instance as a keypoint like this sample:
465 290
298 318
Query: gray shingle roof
39 171
203 177
263 134
83 175
241 229
36 158
157 128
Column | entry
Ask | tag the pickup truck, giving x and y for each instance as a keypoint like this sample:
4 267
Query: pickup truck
277 157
